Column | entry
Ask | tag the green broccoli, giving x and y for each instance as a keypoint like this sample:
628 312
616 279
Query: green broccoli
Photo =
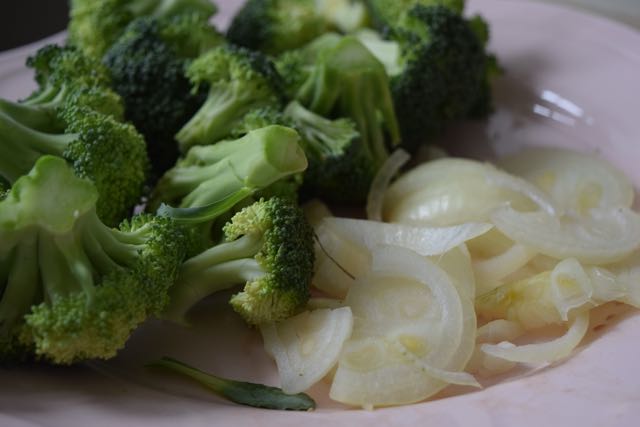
147 65
336 156
389 12
109 153
275 26
333 150
336 76
72 287
4 188
268 247
65 78
238 80
211 172
438 68
96 24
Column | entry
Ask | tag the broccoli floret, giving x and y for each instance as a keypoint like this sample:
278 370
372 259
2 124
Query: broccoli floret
96 24
109 153
147 65
438 69
209 173
275 26
74 288
333 150
337 76
388 12
238 80
335 154
65 78
4 188
268 247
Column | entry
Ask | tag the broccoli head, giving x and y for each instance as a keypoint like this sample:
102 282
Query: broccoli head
336 156
95 25
4 188
268 247
209 173
66 77
238 80
109 153
337 76
74 288
388 12
147 65
275 26
438 67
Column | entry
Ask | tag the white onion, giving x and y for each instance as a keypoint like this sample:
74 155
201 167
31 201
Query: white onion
385 174
452 191
408 319
570 287
601 236
423 240
491 272
546 352
307 346
575 181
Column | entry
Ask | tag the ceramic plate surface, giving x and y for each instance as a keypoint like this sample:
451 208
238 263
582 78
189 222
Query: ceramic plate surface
571 80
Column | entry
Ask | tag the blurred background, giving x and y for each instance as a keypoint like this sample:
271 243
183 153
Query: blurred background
25 21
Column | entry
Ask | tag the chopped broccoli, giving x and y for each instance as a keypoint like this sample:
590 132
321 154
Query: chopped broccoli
438 67
95 24
244 393
211 172
275 26
4 188
109 153
333 150
335 154
238 80
336 76
65 78
268 247
389 12
147 65
74 288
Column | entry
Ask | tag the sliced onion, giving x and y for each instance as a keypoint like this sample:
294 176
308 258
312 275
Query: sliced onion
576 182
453 191
528 302
570 287
408 300
540 353
604 235
318 303
457 263
499 330
491 272
307 346
423 240
381 181
315 211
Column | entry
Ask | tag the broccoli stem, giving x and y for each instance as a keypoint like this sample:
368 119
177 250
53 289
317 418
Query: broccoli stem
244 393
218 268
215 118
21 290
33 116
21 146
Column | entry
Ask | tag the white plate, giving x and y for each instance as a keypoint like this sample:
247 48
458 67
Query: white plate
572 80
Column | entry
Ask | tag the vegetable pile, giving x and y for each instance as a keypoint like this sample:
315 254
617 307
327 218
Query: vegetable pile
160 161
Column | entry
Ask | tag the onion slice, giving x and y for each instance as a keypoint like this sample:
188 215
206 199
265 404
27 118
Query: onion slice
540 353
425 241
387 171
601 236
